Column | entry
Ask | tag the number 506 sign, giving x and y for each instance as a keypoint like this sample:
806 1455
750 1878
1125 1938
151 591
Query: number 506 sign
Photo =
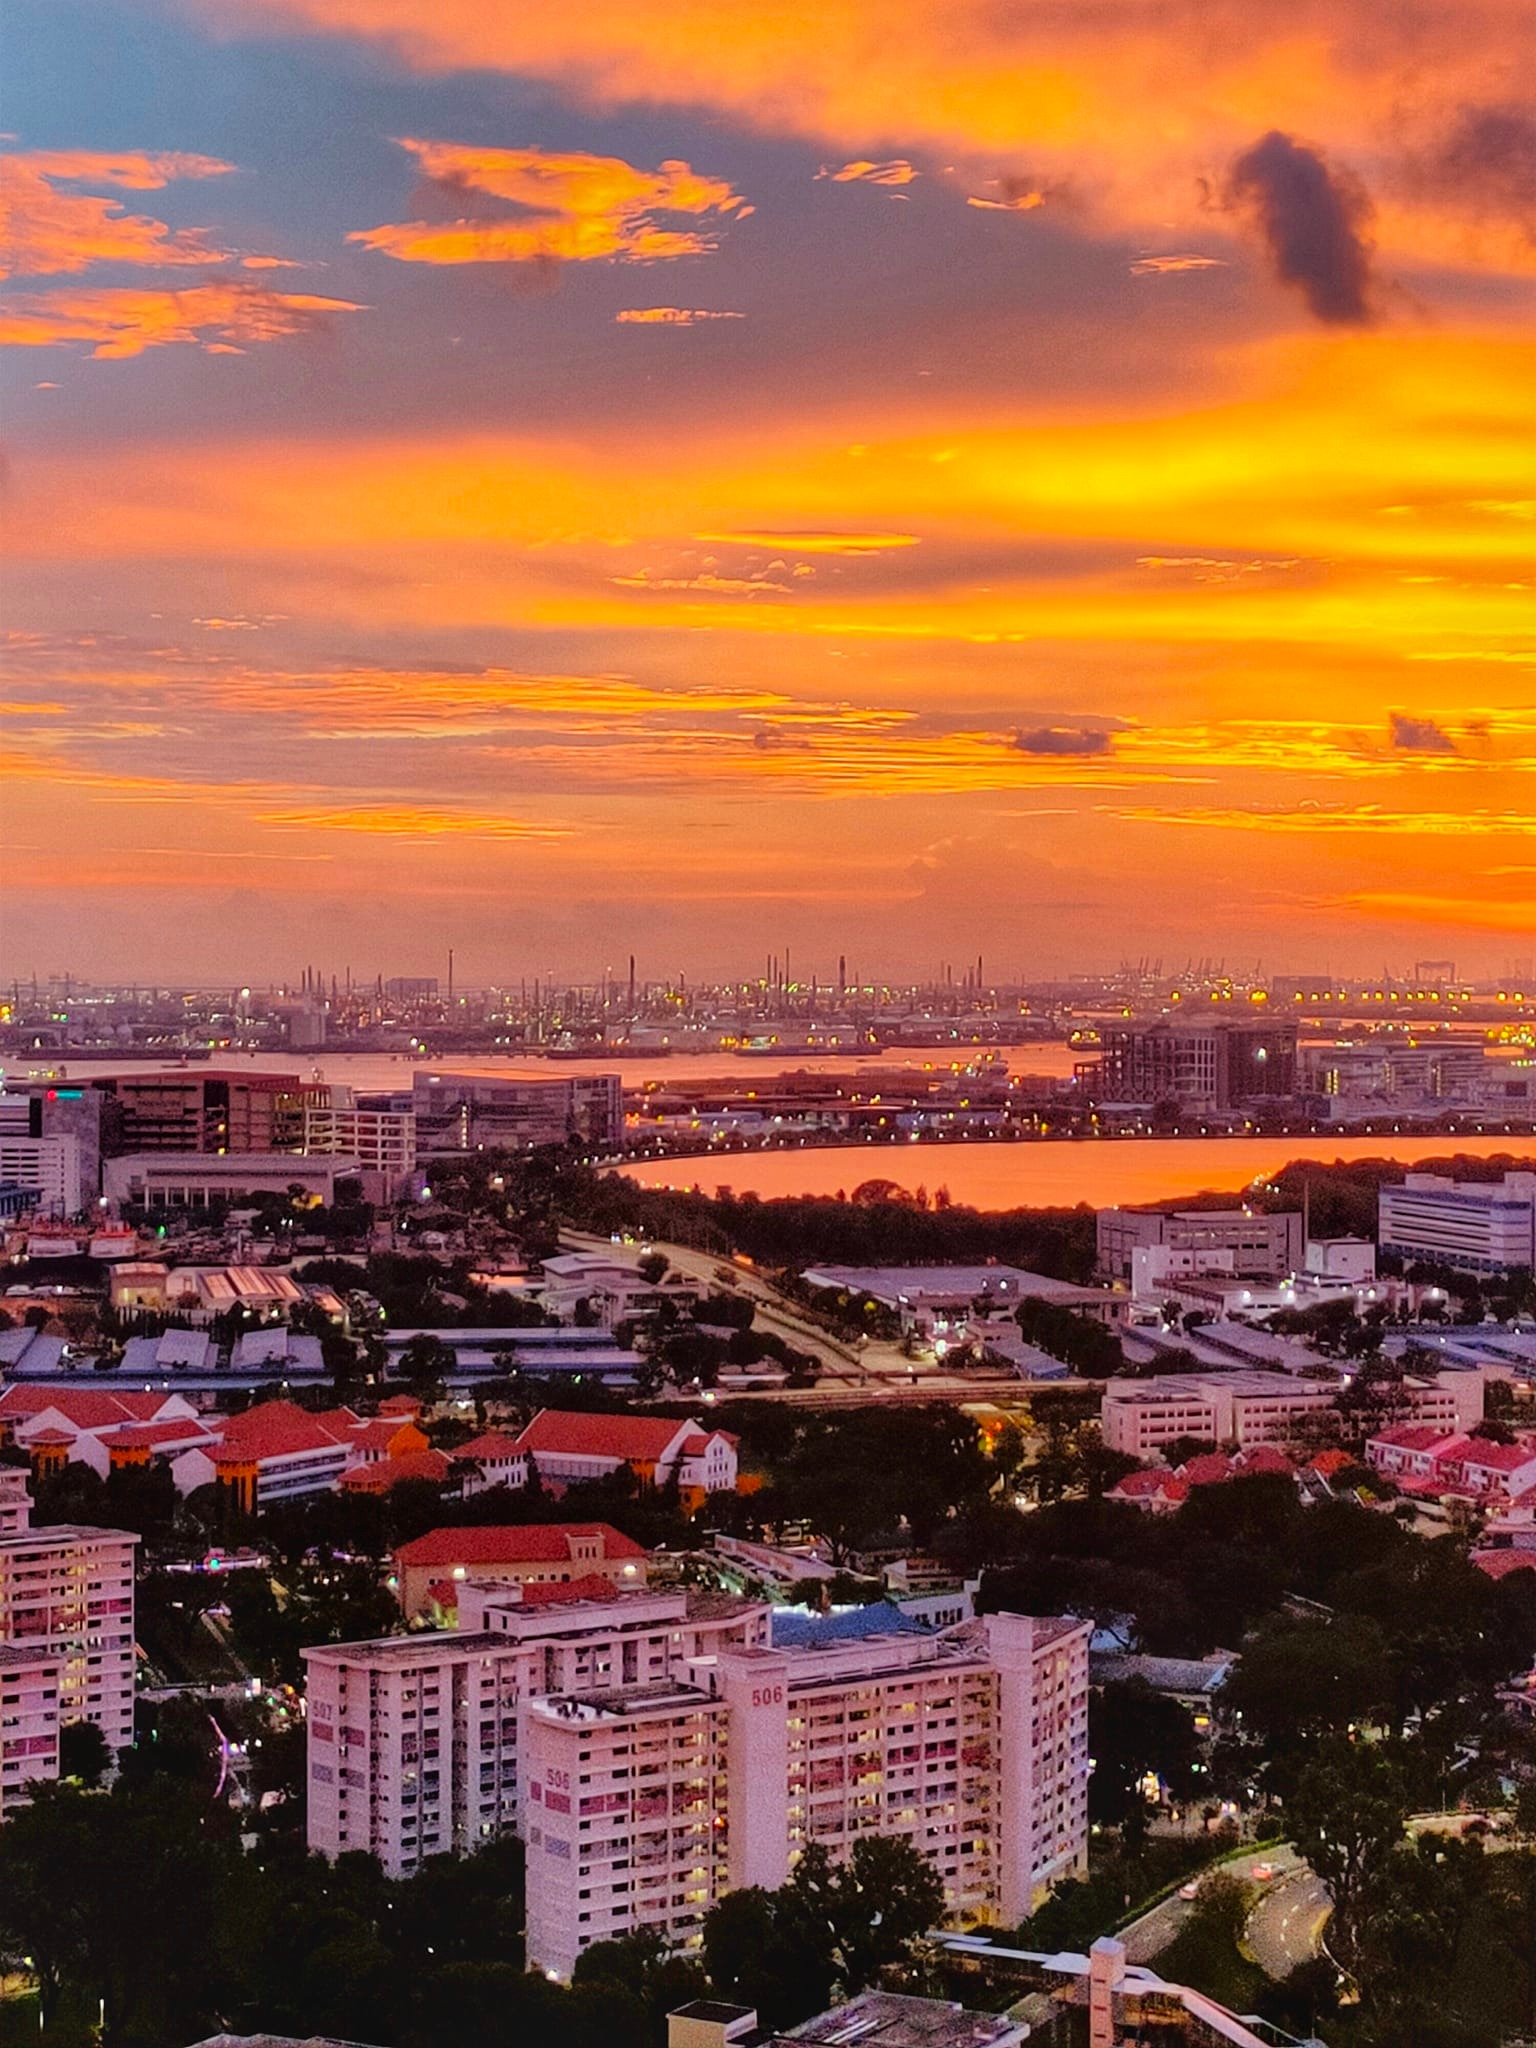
768 1696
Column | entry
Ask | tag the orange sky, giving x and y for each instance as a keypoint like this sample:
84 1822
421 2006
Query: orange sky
911 481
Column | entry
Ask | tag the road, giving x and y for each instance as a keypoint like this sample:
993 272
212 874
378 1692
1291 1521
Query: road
1146 1938
1286 1925
877 1368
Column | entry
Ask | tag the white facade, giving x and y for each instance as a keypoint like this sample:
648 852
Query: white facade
194 1180
66 1603
29 1721
642 1806
382 1141
413 1740
612 1289
51 1165
1243 1408
1474 1226
655 1751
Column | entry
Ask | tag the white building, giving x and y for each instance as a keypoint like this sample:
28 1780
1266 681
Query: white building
51 1165
66 1639
611 1288
971 1743
198 1180
654 1751
566 1446
382 1141
29 1720
1258 1243
414 1740
1242 1408
1474 1226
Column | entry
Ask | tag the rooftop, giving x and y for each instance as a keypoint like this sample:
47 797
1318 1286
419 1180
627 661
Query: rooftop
527 1543
885 2019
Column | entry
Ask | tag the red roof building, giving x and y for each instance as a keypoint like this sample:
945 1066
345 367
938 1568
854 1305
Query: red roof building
566 1448
536 1553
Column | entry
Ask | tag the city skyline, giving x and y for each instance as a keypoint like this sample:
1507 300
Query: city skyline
1055 485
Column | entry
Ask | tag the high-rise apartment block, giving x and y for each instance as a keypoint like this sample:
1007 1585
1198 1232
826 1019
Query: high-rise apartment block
66 1638
655 1751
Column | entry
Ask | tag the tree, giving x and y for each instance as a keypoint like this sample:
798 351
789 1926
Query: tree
652 1267
1134 1732
426 1362
1347 1816
83 1753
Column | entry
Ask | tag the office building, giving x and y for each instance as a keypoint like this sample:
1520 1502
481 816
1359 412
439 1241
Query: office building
1197 1066
458 1113
66 1639
39 1109
1232 1240
655 1750
1474 1226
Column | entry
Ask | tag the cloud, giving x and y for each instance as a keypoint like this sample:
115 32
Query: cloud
1486 163
1075 742
1315 223
1021 195
414 821
124 321
790 542
1419 735
670 316
48 232
894 171
1171 266
572 208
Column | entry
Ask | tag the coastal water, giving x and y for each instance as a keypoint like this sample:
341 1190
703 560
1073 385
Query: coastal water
1104 1172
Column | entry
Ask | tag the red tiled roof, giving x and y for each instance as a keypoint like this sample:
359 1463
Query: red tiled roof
1151 1484
1496 1457
643 1438
532 1543
1413 1436
88 1408
1209 1469
277 1429
380 1433
1498 1564
400 1404
384 1473
1264 1458
494 1443
49 1437
555 1592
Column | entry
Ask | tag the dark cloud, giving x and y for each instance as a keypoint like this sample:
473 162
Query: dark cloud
1486 163
1420 735
1075 741
1315 222
773 739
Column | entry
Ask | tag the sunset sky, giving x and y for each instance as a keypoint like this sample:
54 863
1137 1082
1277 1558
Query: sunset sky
1047 478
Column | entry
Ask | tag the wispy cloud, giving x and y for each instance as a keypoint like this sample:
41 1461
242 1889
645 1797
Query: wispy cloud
572 207
893 171
670 316
53 231
222 317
